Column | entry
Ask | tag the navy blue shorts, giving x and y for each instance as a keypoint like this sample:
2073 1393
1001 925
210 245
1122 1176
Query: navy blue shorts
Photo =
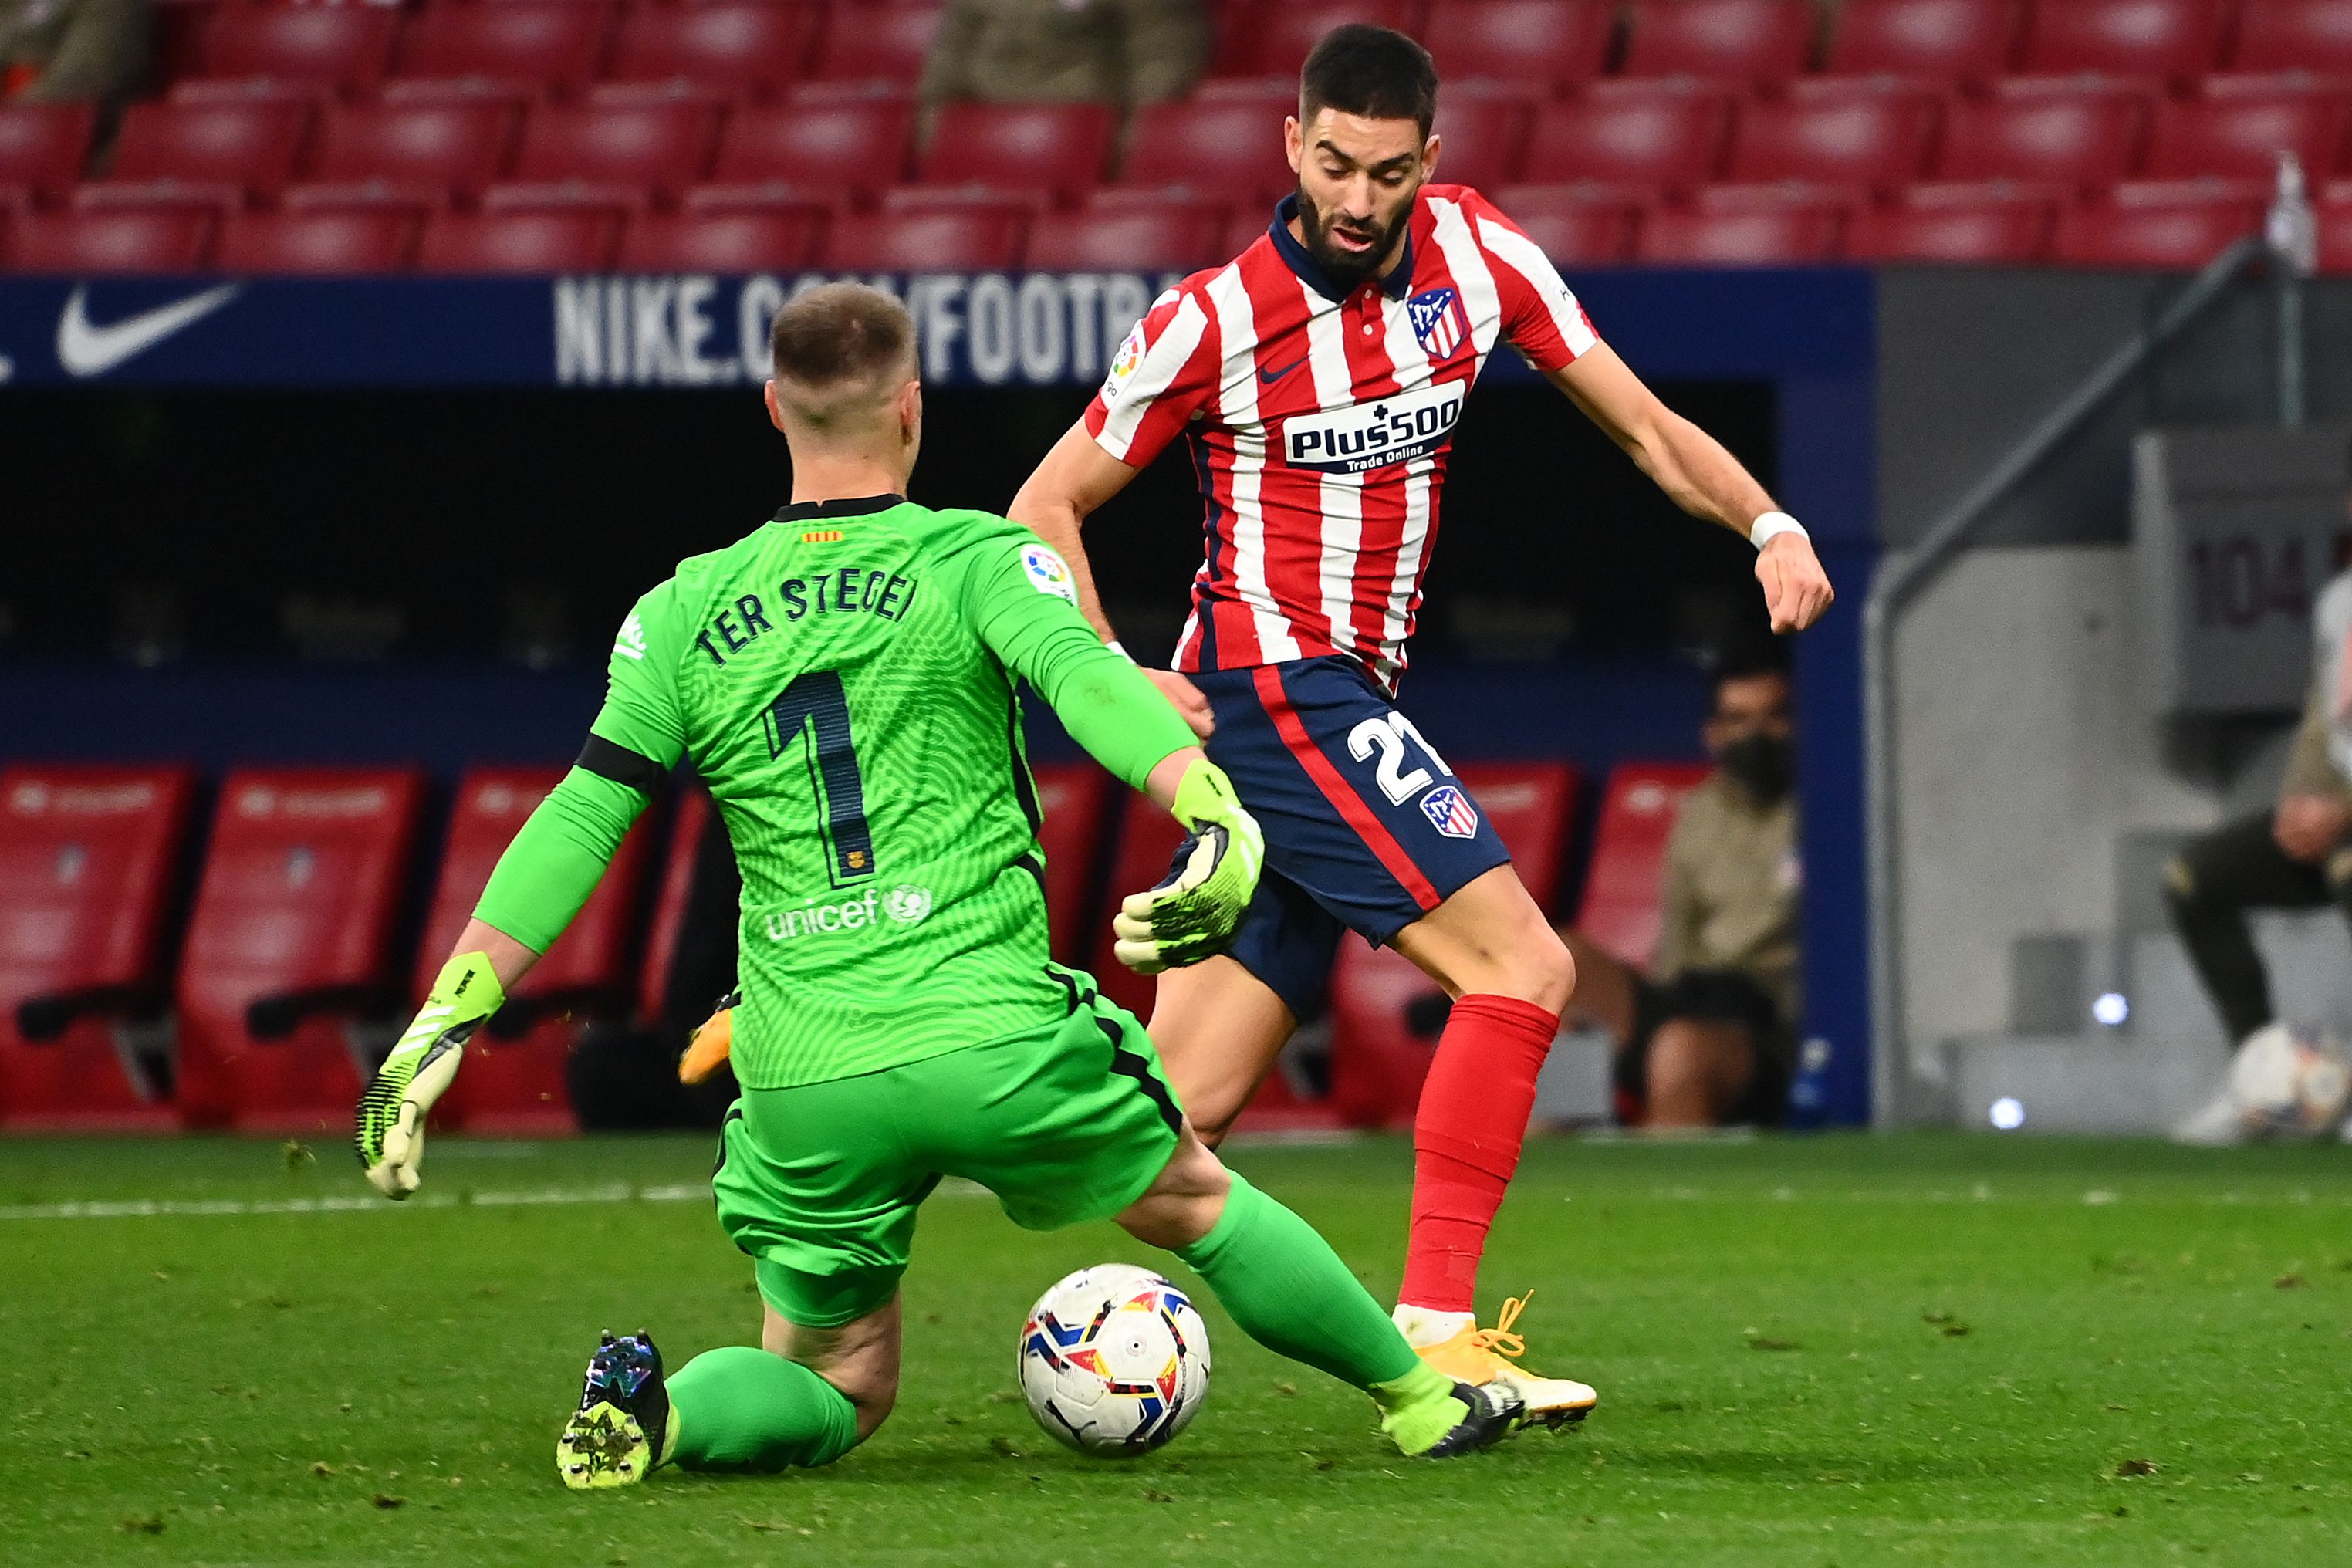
1366 827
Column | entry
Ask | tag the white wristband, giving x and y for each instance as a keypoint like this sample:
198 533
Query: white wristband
1771 526
1119 648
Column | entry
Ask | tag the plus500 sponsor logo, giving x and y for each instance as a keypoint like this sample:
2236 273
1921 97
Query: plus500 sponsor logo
1374 434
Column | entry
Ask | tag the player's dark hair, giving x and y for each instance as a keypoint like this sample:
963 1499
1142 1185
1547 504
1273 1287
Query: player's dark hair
1753 657
1376 72
840 332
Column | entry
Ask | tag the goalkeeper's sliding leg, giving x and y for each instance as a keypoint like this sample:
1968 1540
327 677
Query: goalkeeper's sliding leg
811 1394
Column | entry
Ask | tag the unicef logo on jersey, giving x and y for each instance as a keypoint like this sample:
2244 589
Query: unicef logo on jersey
907 904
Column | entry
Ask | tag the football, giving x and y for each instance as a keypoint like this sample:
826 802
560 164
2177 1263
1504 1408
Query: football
2290 1080
1114 1359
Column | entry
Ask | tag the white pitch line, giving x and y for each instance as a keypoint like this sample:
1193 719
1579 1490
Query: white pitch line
541 1197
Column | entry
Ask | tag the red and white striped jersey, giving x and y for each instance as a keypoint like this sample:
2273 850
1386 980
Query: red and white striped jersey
1320 424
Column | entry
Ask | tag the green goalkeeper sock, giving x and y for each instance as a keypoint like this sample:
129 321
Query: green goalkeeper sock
1289 1291
737 1408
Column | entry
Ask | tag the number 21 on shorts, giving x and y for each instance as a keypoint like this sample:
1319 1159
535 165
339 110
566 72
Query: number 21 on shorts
1387 735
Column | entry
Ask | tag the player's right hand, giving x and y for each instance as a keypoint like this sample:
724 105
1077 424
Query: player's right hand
390 1136
1186 698
1194 913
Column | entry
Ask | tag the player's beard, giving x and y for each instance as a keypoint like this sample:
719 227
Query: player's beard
1345 269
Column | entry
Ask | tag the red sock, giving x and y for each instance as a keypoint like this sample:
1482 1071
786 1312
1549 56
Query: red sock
1465 1138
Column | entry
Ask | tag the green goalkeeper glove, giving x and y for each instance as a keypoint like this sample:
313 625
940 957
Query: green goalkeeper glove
1194 913
390 1137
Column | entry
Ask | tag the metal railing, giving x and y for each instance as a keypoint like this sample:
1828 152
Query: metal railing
1900 584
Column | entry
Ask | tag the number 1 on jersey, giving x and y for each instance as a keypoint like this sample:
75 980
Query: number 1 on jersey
815 706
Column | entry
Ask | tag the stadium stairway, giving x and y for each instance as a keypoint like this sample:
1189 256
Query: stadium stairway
2111 1031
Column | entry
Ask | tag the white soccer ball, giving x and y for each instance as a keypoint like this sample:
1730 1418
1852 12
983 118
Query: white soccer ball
1114 1359
2290 1080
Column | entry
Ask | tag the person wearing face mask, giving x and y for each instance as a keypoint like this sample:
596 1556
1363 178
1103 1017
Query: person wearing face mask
1708 1038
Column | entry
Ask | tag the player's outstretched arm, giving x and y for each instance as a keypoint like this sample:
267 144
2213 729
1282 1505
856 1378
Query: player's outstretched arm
1075 477
389 1130
1701 478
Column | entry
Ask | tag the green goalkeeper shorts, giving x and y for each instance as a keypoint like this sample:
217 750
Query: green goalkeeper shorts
1066 1122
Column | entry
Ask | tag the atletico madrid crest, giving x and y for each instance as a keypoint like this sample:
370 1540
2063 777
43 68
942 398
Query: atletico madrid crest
1450 812
1439 322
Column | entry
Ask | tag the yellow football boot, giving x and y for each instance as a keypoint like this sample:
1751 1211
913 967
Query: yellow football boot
1479 1356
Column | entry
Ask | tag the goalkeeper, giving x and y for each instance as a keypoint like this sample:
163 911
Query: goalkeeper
843 680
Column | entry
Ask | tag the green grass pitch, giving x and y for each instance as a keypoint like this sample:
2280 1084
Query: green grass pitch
1945 1350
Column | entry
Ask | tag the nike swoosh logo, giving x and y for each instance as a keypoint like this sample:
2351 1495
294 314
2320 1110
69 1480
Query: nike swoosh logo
86 348
1270 376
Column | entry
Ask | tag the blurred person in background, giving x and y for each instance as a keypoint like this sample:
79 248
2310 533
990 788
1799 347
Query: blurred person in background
1118 52
74 51
2298 856
1708 1038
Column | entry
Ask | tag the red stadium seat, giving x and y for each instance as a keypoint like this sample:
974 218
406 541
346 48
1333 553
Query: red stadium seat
1060 148
524 49
1783 237
310 242
1998 231
1483 139
2168 39
89 861
1548 44
1781 196
739 48
661 147
1757 41
2295 35
943 241
204 89
146 241
1569 223
878 43
1180 236
513 1081
290 940
2083 141
1229 148
1271 37
42 146
1376 1060
249 144
673 891
576 241
1629 137
213 199
2244 136
1881 141
1074 799
412 202
615 201
327 48
454 147
720 242
1625 882
2335 236
2177 235
1948 41
850 149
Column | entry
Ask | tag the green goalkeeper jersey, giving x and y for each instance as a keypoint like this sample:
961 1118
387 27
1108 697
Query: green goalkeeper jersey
843 681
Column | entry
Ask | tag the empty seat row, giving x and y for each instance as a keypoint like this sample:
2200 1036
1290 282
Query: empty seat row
1547 44
2152 224
292 939
291 935
229 155
536 47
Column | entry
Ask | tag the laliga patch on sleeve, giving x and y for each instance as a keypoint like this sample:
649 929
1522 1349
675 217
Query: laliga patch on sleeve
1123 364
1049 572
631 643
